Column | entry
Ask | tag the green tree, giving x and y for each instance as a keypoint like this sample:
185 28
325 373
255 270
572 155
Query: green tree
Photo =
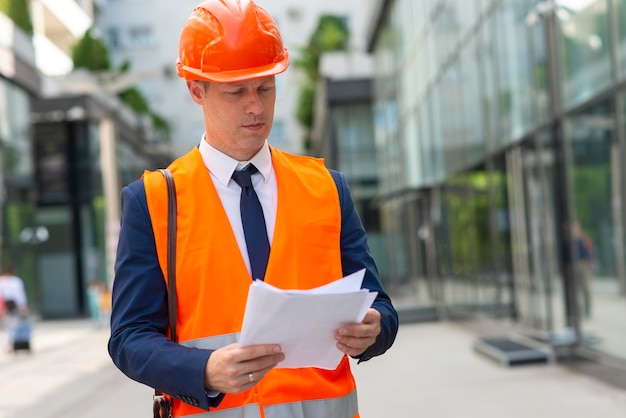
304 111
134 98
90 53
161 125
331 34
19 12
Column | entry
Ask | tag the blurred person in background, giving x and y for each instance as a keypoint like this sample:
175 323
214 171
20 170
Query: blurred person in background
581 263
94 297
583 266
15 304
12 292
308 234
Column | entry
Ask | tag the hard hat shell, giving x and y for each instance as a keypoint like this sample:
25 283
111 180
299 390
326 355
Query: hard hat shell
230 40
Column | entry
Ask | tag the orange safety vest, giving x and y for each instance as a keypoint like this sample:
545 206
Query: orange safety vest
213 282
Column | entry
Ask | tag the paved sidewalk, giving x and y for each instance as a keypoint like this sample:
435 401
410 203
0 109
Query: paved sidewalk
61 353
431 371
53 334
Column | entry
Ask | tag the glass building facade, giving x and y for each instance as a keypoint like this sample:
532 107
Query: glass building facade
500 132
343 134
63 161
85 150
17 185
19 84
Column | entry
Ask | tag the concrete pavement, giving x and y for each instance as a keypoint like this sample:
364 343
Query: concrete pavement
431 371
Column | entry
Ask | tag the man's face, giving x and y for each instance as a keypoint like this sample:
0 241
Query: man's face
238 116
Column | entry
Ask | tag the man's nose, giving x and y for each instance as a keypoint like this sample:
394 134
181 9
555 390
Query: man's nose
253 104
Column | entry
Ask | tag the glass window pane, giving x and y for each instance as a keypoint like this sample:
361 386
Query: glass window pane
514 70
412 152
425 134
356 150
595 176
486 51
471 84
584 44
540 73
619 21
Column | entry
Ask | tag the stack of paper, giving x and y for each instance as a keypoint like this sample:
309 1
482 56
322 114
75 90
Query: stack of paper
303 321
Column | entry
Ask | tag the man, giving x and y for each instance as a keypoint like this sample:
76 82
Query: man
230 51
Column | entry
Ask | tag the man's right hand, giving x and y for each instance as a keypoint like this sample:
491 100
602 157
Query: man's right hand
235 369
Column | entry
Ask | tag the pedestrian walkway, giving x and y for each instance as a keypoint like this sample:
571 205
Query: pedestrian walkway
430 372
433 372
61 353
52 335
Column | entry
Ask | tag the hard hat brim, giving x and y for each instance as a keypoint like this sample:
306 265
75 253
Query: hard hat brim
189 73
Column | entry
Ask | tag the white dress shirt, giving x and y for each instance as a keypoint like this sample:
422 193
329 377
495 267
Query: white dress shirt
221 167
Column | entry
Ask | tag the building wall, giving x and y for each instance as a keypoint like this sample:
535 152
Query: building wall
500 132
84 152
343 135
59 197
19 82
58 25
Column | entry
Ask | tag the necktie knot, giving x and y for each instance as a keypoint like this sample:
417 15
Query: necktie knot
244 178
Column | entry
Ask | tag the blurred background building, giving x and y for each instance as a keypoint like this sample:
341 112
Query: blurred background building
67 144
499 129
19 84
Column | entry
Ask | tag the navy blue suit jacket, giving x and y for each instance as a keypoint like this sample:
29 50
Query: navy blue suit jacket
138 344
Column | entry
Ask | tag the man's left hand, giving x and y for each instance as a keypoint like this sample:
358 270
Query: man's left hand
355 339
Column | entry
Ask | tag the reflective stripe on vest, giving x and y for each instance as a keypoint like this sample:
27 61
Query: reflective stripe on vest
212 343
345 406
250 410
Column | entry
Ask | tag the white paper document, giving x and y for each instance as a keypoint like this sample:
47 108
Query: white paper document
303 322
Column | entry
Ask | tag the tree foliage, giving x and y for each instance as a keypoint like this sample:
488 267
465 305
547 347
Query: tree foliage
304 111
19 12
91 53
331 34
135 100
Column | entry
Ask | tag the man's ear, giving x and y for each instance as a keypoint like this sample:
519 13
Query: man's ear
196 90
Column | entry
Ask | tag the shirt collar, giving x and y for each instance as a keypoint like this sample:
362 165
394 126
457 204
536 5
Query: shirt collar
222 166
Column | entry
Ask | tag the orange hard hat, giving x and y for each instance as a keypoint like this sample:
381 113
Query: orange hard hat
230 40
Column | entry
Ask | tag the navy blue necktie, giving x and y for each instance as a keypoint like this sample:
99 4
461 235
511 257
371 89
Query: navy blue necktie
253 223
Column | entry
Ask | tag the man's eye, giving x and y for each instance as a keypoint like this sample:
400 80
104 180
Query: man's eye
236 92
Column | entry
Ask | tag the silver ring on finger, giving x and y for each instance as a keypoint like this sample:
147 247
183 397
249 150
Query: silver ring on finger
251 377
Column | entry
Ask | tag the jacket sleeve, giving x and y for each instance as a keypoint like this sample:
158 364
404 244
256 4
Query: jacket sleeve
138 344
355 255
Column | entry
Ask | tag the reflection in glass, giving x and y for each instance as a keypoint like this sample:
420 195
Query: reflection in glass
514 70
597 210
619 10
584 44
540 71
533 231
471 255
17 185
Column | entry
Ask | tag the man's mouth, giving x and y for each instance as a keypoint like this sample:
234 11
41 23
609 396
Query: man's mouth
254 126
